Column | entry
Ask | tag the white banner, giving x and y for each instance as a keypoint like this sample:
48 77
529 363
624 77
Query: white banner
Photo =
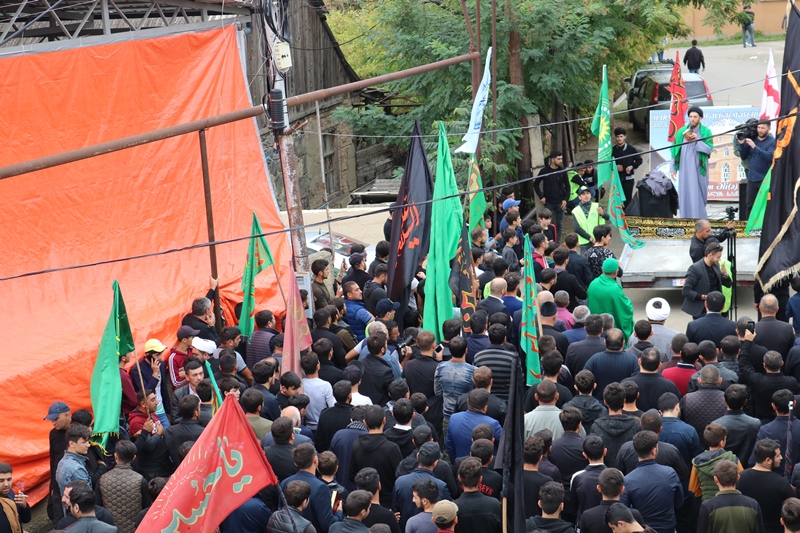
472 136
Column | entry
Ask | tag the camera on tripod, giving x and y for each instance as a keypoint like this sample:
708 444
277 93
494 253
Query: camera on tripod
731 212
748 130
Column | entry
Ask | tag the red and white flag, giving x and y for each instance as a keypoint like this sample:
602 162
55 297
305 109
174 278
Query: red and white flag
225 468
771 98
296 333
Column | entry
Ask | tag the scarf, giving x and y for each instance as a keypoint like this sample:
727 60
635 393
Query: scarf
10 508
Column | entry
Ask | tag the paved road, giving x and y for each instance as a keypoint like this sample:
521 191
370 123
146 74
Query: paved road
726 67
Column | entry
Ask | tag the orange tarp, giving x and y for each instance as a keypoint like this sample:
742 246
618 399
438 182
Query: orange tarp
145 199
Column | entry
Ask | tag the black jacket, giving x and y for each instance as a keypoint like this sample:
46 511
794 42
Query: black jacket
179 433
594 520
328 372
775 335
742 431
478 513
627 156
493 305
583 493
206 332
615 430
280 457
712 327
579 353
552 184
693 58
271 409
697 284
496 408
567 454
376 379
419 374
373 293
578 266
591 409
570 283
401 437
763 386
651 387
668 455
376 451
703 406
338 350
331 420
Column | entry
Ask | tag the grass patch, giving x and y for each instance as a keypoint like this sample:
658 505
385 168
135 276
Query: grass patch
735 39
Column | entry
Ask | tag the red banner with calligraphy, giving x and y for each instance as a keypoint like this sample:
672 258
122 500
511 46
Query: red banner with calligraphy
225 468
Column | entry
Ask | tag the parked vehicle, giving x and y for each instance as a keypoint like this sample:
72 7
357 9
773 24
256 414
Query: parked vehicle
635 81
653 94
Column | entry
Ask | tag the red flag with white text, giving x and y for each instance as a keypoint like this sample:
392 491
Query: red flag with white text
225 468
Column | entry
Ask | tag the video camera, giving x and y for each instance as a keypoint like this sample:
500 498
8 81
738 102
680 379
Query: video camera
748 130
731 212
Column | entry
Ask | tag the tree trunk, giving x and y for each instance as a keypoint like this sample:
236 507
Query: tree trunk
516 77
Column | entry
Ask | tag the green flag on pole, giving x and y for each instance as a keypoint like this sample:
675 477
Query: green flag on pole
106 386
617 213
756 219
259 257
529 336
447 218
477 200
601 128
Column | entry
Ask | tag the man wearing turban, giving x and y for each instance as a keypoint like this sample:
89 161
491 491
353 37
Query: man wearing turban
693 145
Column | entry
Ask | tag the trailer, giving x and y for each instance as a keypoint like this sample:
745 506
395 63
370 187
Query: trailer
664 259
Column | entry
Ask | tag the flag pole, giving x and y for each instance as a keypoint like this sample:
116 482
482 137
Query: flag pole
141 380
280 287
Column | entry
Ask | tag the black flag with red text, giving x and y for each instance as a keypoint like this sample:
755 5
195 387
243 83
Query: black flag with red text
411 221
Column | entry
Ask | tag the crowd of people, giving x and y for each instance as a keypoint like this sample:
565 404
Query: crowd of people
634 426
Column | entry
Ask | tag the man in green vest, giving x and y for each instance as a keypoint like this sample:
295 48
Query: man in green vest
586 215
580 177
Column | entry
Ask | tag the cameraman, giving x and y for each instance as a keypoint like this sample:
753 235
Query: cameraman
758 152
702 233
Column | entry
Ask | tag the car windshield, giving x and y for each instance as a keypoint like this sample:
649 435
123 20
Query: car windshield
694 89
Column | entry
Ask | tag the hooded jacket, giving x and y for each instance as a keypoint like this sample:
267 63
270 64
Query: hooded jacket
373 293
376 451
553 525
615 430
702 480
590 410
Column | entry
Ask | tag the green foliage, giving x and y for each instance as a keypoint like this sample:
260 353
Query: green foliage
564 46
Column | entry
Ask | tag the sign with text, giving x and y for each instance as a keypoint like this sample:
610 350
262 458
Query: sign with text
725 167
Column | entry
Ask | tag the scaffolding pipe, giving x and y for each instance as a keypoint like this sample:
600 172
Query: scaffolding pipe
87 152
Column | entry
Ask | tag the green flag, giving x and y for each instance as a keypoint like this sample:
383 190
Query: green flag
617 213
447 218
106 386
601 128
756 219
259 257
477 200
529 336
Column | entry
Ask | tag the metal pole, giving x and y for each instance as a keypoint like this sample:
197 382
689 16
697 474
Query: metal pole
494 112
325 184
294 204
218 120
212 250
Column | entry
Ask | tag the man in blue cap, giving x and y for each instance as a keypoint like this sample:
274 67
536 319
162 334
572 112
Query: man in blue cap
606 296
386 308
59 415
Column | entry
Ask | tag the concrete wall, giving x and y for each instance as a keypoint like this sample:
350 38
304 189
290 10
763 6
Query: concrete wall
769 14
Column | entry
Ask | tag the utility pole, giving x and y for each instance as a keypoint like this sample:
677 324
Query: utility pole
285 143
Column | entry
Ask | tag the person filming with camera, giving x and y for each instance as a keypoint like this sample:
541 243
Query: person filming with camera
758 150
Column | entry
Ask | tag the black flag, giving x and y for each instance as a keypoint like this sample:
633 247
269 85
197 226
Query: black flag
411 221
780 250
462 276
510 454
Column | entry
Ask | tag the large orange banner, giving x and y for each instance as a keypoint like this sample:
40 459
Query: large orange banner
137 201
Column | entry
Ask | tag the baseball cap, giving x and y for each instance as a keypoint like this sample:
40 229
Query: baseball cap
509 203
56 409
583 188
186 331
549 309
444 512
353 374
154 345
428 453
204 345
385 305
357 258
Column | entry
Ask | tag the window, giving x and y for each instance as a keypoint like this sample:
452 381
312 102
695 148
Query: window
726 173
331 172
720 138
726 152
740 172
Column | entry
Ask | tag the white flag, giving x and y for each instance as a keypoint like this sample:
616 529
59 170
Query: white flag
472 136
771 98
